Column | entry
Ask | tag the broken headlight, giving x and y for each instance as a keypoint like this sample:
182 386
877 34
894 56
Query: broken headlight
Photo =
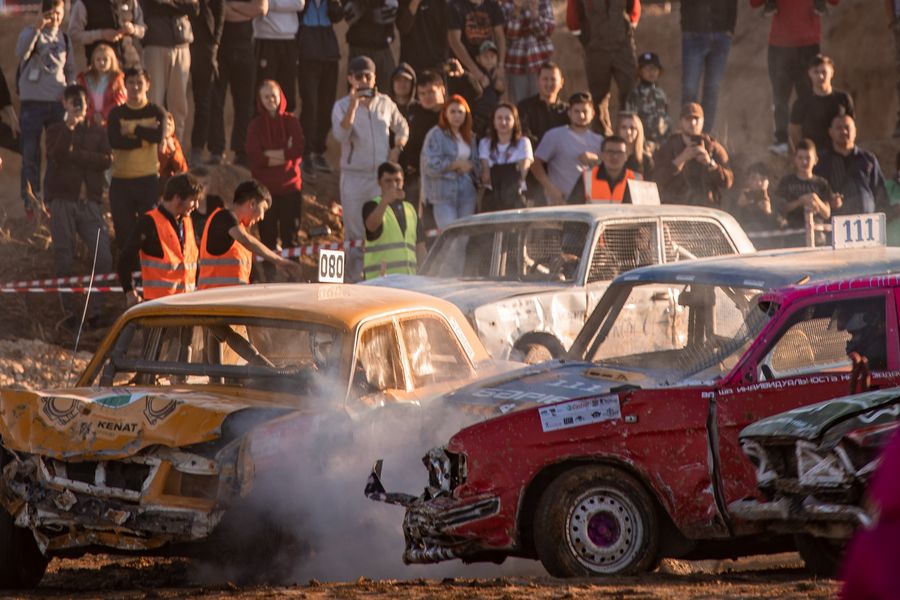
817 469
446 470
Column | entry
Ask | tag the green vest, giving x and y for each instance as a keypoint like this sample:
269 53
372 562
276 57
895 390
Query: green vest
394 250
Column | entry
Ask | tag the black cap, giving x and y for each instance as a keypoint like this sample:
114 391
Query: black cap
360 64
649 58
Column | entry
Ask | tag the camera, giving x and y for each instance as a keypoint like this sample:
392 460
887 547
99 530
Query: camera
78 103
696 140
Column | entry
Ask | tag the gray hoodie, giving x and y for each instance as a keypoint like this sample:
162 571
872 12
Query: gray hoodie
366 145
46 64
281 22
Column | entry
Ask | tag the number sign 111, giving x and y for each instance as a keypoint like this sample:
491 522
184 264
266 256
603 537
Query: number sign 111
858 231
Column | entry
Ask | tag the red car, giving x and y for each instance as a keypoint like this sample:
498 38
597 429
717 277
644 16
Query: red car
627 451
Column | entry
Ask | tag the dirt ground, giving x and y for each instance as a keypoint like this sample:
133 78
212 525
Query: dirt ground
757 577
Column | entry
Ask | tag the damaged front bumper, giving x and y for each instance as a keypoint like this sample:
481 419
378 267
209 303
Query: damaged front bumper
135 504
431 524
806 515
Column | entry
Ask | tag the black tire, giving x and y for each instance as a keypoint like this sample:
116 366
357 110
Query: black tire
821 556
596 521
537 348
536 353
22 564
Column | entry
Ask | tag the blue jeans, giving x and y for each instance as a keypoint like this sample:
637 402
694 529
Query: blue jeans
703 55
36 116
445 213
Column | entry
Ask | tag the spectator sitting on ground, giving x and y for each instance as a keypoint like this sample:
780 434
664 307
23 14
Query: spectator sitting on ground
753 209
275 150
691 167
544 111
812 114
395 240
608 180
403 88
449 164
362 122
802 192
490 94
794 38
506 156
473 22
892 186
46 66
104 82
78 155
564 152
170 154
528 27
631 130
649 101
853 173
227 247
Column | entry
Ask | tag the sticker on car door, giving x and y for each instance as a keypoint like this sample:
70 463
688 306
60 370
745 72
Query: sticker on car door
578 413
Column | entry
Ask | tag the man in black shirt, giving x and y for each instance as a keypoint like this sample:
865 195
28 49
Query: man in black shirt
423 115
802 192
543 112
811 115
370 32
473 22
423 33
852 172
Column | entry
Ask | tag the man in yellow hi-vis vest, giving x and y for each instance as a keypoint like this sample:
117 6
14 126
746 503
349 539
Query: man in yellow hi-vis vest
395 241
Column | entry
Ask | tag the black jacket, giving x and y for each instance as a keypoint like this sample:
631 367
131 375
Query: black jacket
208 23
707 16
168 22
76 157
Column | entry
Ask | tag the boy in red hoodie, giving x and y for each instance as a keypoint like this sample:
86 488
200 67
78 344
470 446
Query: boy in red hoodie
275 150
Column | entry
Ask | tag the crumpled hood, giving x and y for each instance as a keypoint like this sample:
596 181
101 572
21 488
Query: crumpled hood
546 383
811 422
467 294
88 423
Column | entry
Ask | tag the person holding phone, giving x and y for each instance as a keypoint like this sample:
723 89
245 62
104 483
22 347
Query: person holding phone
691 167
395 239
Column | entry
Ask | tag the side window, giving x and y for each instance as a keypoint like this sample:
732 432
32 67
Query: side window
622 247
684 240
434 353
819 338
377 362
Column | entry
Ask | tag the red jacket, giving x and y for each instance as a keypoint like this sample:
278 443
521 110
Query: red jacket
280 133
112 97
795 24
573 13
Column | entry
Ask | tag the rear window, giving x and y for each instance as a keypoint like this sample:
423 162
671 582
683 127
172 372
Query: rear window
622 247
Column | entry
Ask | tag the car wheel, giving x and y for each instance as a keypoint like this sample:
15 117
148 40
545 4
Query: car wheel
821 556
594 521
21 562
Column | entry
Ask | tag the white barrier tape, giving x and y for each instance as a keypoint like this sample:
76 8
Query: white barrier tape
65 282
61 290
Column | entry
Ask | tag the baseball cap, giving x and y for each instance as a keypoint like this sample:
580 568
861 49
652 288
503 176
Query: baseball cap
360 64
486 46
649 58
691 109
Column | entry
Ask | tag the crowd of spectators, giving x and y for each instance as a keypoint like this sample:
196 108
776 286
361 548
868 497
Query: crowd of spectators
472 119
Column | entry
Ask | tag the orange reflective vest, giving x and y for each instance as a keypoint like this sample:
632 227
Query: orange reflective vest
230 268
176 271
599 189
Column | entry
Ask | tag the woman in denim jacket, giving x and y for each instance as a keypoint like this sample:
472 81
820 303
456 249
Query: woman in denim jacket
449 164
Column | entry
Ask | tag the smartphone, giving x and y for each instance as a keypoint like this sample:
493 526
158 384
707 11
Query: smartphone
696 140
366 93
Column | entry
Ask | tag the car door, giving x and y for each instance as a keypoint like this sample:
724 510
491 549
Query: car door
803 363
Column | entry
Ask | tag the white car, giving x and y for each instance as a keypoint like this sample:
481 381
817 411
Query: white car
527 279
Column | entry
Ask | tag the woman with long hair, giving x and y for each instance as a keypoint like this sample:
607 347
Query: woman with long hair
631 130
506 156
104 82
449 162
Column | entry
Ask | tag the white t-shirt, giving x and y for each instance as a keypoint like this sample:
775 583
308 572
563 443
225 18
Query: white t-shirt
505 153
463 150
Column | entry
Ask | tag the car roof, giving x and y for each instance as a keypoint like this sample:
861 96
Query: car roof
341 305
590 213
774 268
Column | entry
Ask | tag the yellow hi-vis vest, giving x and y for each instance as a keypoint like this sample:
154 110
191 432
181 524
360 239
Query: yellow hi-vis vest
394 251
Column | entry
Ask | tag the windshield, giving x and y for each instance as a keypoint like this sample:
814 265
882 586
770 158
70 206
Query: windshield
676 332
550 250
243 352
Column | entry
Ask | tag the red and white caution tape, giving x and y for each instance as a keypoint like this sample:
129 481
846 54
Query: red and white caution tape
61 290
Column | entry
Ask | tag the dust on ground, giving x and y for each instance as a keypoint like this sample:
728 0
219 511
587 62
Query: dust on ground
777 576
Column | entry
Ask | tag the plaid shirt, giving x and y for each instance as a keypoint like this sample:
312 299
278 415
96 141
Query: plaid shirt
528 44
